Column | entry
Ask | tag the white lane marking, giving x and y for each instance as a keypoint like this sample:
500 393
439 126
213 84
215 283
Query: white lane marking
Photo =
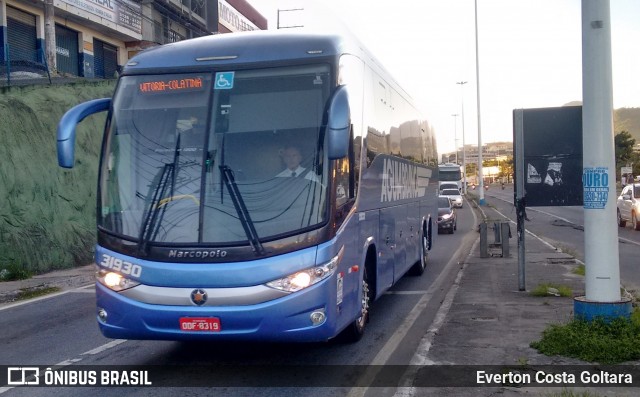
84 291
104 347
40 298
66 363
405 292
392 344
626 240
538 237
419 358
72 361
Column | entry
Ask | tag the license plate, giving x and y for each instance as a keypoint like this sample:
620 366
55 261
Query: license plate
210 324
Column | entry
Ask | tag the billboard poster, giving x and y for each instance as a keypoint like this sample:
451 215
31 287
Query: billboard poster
550 154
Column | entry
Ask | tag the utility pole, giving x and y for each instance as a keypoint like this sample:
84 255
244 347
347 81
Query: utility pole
479 172
50 36
455 134
464 162
602 268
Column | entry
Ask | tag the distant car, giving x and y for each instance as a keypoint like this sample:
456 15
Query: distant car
447 185
628 206
454 195
447 219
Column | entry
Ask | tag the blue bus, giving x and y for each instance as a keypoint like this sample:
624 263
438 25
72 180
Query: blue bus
204 230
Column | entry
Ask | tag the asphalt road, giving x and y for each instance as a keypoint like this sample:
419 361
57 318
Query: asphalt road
563 227
61 331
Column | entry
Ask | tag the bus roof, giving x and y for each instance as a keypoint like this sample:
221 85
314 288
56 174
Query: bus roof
239 48
450 165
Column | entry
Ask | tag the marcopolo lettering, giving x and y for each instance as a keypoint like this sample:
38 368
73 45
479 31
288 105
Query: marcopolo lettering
197 254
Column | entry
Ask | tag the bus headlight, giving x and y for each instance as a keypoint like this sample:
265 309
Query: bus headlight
307 277
115 281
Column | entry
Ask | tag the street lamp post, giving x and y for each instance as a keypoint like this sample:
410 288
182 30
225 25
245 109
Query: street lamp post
455 135
480 181
464 161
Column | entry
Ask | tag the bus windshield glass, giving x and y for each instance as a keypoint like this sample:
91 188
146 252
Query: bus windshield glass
221 158
450 175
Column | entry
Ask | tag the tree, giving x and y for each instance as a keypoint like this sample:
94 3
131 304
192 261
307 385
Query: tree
624 154
506 168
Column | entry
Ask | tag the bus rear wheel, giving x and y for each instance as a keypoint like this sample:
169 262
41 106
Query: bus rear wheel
418 268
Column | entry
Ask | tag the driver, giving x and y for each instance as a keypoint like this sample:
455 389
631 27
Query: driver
292 158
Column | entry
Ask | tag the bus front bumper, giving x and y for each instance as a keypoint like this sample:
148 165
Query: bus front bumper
290 318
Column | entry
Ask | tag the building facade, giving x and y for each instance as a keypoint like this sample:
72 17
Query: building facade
490 151
94 38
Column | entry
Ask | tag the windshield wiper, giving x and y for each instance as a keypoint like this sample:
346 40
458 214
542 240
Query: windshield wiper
153 217
241 209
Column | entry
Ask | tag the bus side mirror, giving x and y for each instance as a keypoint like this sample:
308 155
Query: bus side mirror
67 128
338 125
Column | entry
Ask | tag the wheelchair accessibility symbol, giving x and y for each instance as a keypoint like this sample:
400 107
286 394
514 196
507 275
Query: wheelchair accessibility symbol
224 80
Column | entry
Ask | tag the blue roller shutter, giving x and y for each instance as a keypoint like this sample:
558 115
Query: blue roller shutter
106 59
67 50
21 35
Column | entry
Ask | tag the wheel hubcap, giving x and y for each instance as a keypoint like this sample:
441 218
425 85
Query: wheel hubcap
365 304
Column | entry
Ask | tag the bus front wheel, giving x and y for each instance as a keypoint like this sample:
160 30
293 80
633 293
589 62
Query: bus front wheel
355 330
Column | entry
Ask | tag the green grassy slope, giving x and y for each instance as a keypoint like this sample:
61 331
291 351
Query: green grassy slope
47 213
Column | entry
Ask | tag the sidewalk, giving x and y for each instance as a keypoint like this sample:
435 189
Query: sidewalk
11 291
490 322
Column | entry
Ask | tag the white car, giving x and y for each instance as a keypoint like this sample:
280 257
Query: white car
454 195
629 206
447 185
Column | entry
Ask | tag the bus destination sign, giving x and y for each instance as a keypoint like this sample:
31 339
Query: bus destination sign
175 85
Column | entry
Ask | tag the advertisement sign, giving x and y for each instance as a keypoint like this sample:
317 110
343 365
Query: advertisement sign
122 12
232 19
550 157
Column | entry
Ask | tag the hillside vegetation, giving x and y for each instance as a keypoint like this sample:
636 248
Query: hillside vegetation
627 119
624 119
47 213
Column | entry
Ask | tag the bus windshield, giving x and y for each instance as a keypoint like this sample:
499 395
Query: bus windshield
450 175
188 159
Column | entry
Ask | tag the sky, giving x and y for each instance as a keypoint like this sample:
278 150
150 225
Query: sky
529 54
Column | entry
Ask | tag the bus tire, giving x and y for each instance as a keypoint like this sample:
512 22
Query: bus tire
425 244
355 330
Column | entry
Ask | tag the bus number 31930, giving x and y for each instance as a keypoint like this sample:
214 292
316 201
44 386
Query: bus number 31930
118 265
